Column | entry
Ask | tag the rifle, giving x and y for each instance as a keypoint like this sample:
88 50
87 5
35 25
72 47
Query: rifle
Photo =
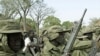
73 36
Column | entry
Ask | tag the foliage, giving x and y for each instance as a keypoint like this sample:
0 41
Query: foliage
50 21
11 8
95 22
67 24
95 25
29 24
37 9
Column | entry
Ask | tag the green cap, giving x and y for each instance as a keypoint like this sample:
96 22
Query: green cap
82 37
57 28
87 31
10 27
52 36
53 31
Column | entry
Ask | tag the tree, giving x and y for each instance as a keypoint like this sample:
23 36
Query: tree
67 24
7 9
30 24
12 8
95 22
39 11
50 21
95 25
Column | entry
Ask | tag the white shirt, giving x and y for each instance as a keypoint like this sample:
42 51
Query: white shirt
27 41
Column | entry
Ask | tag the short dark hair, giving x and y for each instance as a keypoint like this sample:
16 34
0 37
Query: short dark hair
27 34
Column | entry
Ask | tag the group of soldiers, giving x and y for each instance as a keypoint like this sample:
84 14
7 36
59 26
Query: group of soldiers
15 42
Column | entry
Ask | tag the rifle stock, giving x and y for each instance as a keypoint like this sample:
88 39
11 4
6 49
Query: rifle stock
73 36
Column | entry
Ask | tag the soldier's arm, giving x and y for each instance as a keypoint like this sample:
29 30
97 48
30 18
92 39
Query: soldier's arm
82 45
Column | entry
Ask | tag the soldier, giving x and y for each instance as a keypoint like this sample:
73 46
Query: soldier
12 41
31 42
83 44
54 42
96 43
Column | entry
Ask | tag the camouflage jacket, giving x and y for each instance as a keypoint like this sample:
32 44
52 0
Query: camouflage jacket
50 49
81 48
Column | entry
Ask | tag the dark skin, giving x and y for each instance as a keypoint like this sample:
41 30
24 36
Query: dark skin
59 40
15 41
89 35
30 34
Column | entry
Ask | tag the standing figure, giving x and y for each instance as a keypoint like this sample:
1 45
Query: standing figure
31 42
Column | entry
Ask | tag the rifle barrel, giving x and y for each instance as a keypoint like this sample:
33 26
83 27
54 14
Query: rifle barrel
73 35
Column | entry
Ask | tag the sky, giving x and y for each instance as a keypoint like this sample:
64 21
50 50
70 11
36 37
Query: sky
72 10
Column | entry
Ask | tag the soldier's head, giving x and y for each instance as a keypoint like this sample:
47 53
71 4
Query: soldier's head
13 36
30 34
89 33
97 31
56 33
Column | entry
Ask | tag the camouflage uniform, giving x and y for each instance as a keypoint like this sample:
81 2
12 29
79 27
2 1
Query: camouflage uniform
11 40
97 39
81 48
83 44
54 42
